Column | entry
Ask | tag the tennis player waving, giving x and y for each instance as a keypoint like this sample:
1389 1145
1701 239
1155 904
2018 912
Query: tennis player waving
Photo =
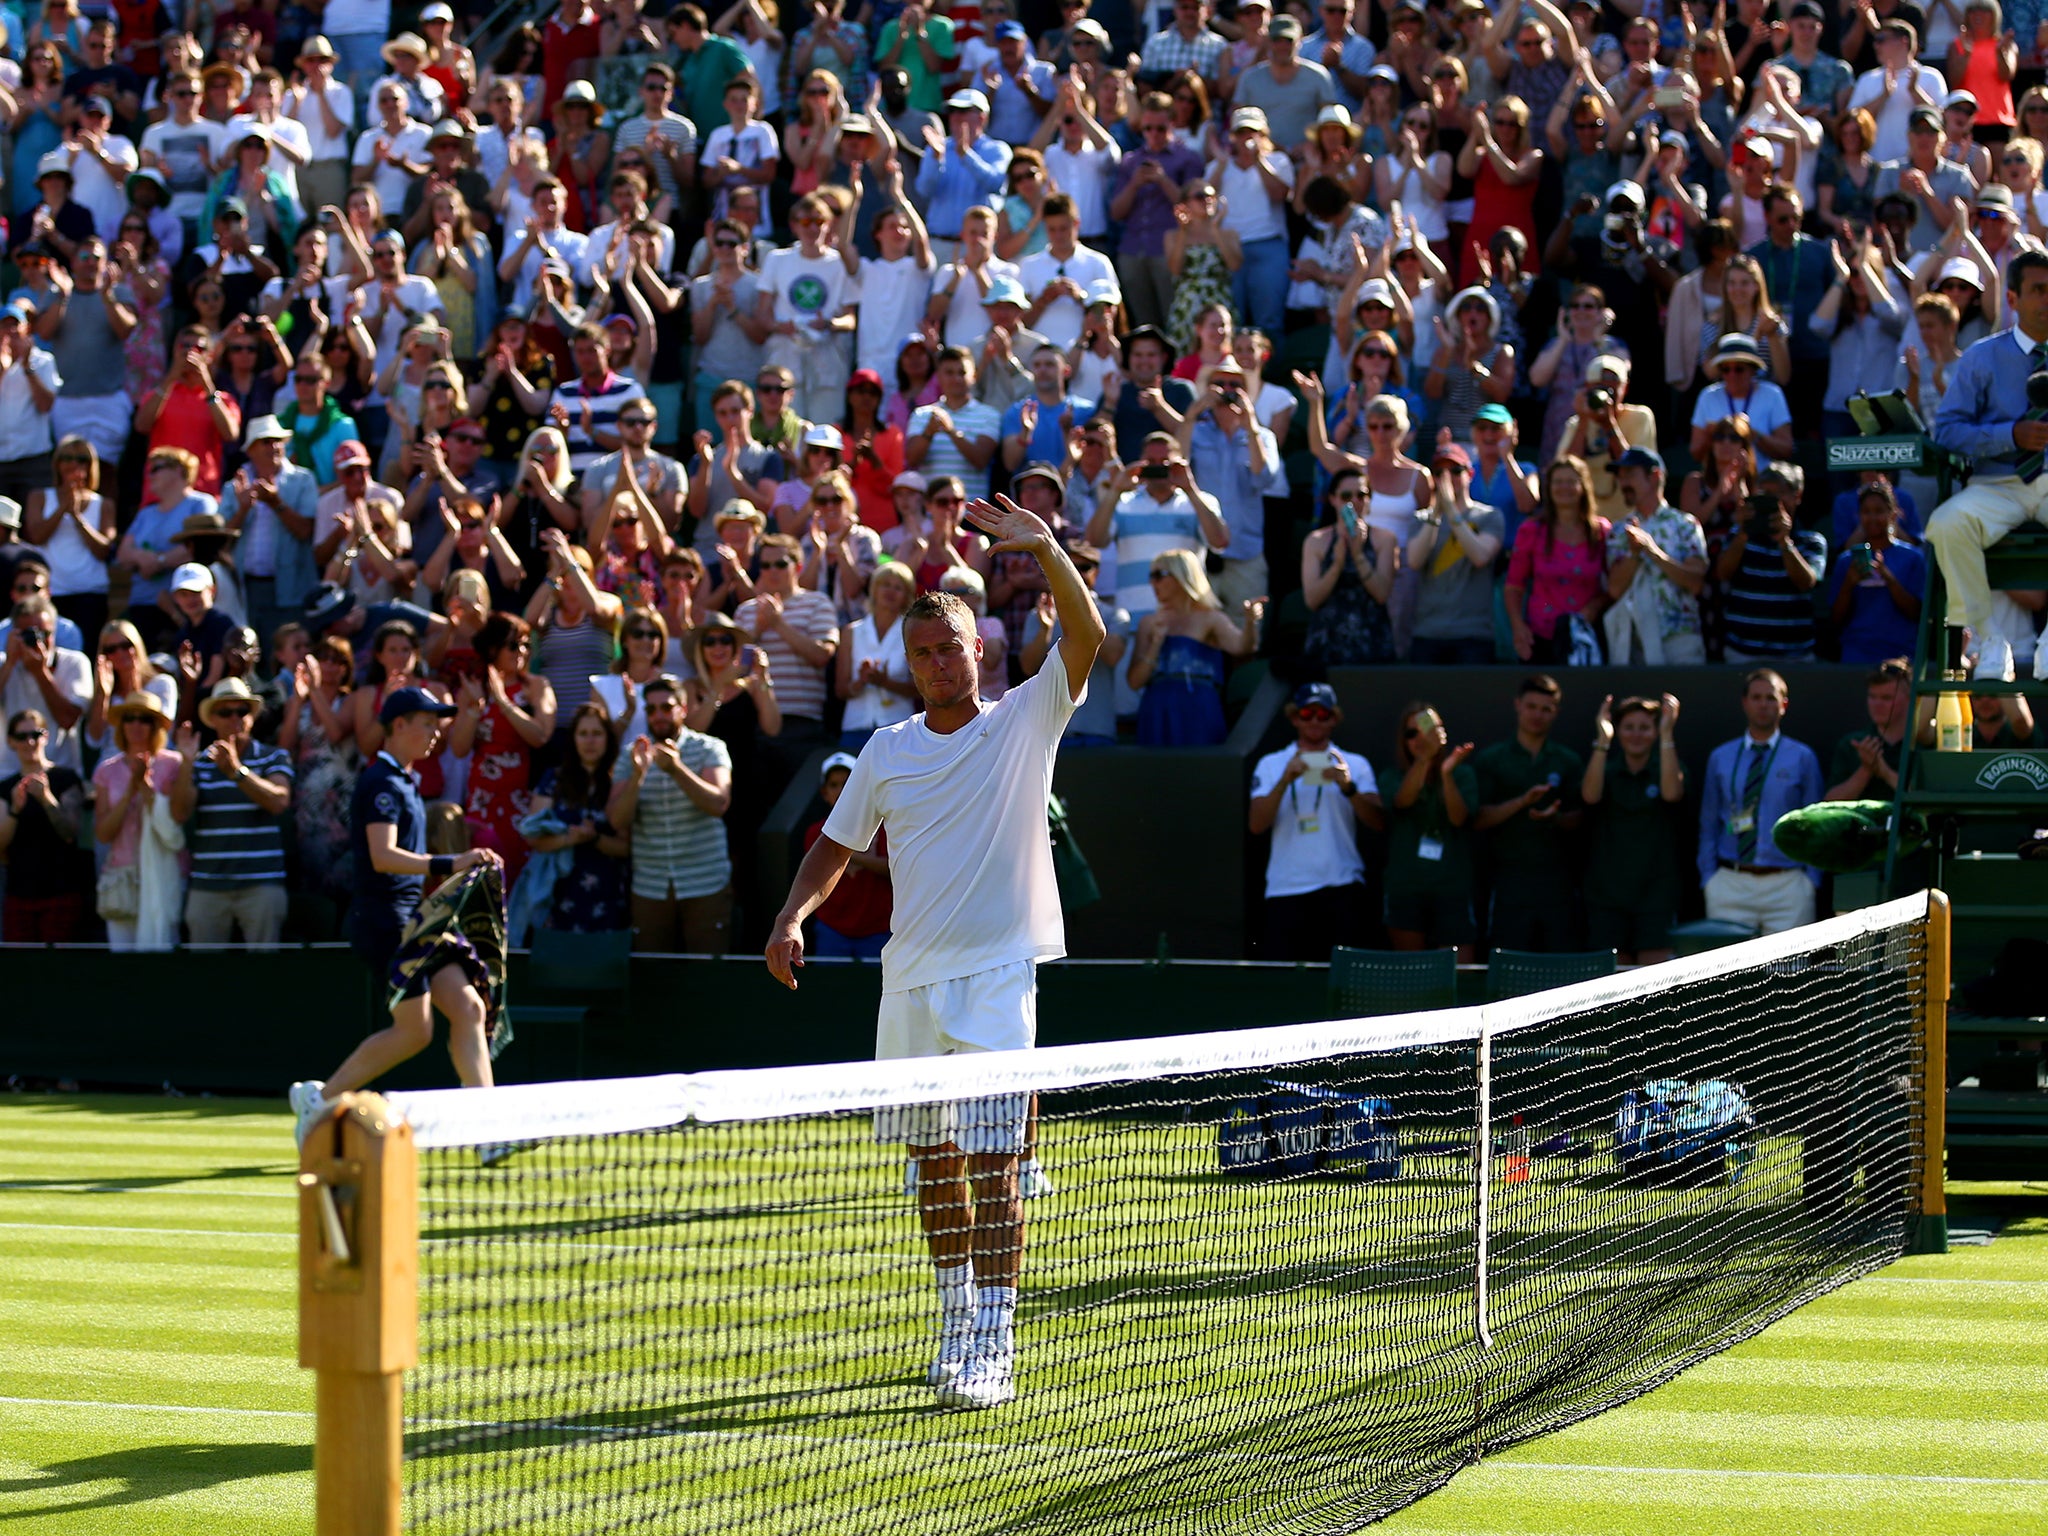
962 790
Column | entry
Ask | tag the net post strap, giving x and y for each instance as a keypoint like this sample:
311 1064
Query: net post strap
1482 1183
474 1117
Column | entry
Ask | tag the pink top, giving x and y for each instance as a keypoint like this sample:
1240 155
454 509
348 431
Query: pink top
111 780
1560 578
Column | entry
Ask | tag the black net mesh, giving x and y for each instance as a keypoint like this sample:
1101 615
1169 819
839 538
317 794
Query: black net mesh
1250 1303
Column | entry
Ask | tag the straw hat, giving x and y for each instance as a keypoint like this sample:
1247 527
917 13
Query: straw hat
405 42
145 705
229 690
1334 116
581 93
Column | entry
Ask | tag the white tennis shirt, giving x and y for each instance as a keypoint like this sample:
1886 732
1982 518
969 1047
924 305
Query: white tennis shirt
970 856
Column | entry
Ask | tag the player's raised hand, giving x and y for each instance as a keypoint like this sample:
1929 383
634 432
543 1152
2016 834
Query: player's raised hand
1013 529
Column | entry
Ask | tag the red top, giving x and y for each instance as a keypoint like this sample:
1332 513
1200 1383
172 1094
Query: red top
874 484
561 49
186 421
862 903
1560 578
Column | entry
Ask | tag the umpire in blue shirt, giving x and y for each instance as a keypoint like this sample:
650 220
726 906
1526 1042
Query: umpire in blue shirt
1988 417
1750 782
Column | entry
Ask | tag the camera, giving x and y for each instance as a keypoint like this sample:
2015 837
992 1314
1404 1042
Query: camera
1153 472
1622 211
1599 400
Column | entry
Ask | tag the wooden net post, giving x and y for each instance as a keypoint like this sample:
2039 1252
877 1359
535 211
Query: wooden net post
1930 1228
358 1308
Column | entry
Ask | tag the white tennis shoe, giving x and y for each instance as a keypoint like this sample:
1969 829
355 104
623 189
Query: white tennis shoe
987 1381
1033 1182
309 1103
956 1342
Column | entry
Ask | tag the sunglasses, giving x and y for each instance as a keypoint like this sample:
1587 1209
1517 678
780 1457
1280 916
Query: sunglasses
726 245
1382 426
643 634
711 640
944 501
233 712
1379 352
465 437
1352 498
430 384
771 389
830 501
628 421
116 647
1158 575
28 735
1315 714
777 565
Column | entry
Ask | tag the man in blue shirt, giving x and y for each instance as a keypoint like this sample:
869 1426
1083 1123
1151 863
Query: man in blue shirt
1035 428
961 170
1021 91
1234 459
1986 416
388 834
1797 273
1750 782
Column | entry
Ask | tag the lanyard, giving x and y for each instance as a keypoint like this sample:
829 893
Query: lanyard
1315 806
1738 773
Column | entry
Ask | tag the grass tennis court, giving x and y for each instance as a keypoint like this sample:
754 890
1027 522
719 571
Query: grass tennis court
148 1383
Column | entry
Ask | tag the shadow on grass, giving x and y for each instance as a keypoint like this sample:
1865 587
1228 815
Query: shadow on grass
125 1184
152 1106
146 1472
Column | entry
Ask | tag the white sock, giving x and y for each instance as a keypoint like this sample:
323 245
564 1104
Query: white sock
956 1296
995 1320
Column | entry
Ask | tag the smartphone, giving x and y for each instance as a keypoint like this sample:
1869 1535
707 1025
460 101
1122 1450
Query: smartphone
749 656
1425 720
1667 97
1315 767
1349 515
1153 471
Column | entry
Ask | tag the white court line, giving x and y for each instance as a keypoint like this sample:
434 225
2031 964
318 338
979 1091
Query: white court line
226 1413
1496 1464
63 1226
1765 1473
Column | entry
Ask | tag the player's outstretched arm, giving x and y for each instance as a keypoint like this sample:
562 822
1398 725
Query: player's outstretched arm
1081 627
815 877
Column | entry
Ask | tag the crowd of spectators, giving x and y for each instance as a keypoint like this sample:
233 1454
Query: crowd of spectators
624 386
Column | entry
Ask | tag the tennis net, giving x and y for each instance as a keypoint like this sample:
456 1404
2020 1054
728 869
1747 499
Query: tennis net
1287 1280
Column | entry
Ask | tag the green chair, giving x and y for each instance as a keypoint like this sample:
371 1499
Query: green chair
1518 972
1364 982
569 977
1696 938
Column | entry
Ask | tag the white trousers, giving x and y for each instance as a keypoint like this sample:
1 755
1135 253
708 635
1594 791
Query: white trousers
1772 902
1969 523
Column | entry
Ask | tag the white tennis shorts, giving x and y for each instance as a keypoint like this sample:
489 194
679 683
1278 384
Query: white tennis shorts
994 1010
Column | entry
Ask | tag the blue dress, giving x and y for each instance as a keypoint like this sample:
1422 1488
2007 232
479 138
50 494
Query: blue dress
1182 706
591 898
35 139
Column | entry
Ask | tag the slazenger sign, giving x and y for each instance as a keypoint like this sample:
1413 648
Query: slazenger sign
2000 771
1875 453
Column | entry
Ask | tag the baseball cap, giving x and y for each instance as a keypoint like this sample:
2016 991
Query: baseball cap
412 701
1104 290
23 310
1959 98
1924 117
231 208
910 480
864 376
191 577
966 101
1376 290
1248 117
1497 414
1451 453
1641 458
844 760
1012 29
1958 269
350 451
1041 470
449 128
1312 695
437 12
853 123
1005 290
824 436
1089 27
1283 26
1810 9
